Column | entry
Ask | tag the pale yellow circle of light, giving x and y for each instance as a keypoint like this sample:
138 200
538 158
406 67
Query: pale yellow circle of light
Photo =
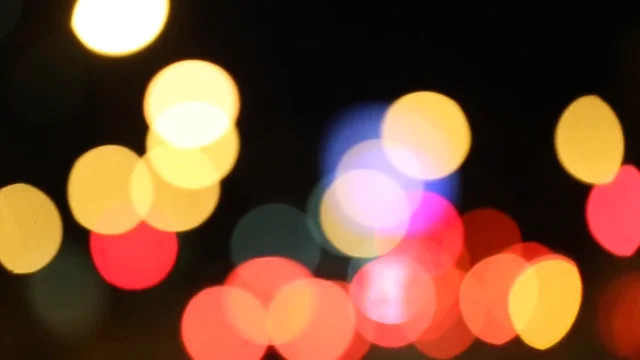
589 140
98 190
194 168
433 127
118 27
191 103
30 229
544 302
168 207
351 237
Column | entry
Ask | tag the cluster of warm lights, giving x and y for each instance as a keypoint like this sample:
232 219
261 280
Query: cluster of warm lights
421 273
590 145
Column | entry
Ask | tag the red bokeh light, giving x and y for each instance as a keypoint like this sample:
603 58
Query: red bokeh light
484 297
612 212
135 260
529 250
435 238
447 287
451 343
619 316
392 290
488 231
328 324
359 344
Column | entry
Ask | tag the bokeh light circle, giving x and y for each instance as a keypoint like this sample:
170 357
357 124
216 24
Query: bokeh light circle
264 277
452 342
370 155
30 228
392 290
484 297
166 206
611 212
194 168
433 127
223 322
274 230
544 301
98 190
529 250
359 346
191 103
136 260
447 300
489 231
435 235
118 27
68 296
589 140
311 319
351 237
372 199
619 316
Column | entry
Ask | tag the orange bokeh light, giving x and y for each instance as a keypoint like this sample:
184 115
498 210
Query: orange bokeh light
311 319
224 322
265 277
452 342
484 297
447 312
359 346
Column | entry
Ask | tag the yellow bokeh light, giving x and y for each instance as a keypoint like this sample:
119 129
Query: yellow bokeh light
589 140
431 126
544 301
118 27
191 103
98 190
30 229
168 207
194 168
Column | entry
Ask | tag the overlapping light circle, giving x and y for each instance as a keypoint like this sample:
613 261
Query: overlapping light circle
194 168
99 190
544 301
191 103
358 230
